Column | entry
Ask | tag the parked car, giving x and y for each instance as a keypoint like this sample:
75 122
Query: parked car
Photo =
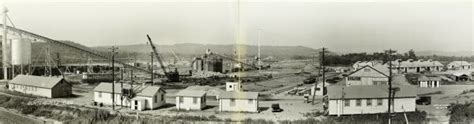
276 108
424 100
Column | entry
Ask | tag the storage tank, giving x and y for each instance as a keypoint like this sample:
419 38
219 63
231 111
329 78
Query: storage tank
21 51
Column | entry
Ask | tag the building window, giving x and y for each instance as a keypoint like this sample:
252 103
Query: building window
354 78
156 98
232 102
347 102
162 97
358 102
250 101
379 102
100 94
195 100
180 99
230 86
367 70
369 102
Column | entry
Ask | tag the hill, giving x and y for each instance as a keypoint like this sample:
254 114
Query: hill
189 49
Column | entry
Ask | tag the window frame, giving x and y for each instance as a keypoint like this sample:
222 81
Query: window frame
232 102
358 102
347 102
379 102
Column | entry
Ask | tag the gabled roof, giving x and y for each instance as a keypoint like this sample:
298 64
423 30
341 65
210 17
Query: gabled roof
371 74
107 87
364 91
238 95
459 63
150 91
140 90
36 81
191 93
419 63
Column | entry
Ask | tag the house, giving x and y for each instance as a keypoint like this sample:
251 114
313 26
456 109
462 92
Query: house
50 87
236 101
233 86
190 100
461 76
411 66
368 75
429 81
142 96
459 65
150 97
352 100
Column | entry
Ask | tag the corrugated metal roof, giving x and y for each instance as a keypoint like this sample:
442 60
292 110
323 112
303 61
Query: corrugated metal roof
238 95
192 93
375 91
36 81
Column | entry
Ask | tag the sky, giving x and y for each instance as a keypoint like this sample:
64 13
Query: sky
340 25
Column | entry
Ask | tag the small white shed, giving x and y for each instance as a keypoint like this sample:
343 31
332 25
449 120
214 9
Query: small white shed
190 100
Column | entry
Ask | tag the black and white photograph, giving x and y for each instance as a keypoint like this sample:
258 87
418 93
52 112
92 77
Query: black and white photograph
236 62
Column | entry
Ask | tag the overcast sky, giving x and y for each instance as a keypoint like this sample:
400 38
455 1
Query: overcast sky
342 26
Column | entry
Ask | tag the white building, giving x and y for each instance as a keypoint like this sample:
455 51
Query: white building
50 87
190 100
459 65
238 101
368 75
233 86
429 81
369 100
416 66
141 96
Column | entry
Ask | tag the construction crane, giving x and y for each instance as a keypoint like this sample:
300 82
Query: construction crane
172 76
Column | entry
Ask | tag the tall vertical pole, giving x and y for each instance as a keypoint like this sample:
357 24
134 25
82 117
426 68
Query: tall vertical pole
151 69
322 67
113 76
259 62
390 86
4 44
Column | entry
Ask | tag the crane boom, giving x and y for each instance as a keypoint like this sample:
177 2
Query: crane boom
157 55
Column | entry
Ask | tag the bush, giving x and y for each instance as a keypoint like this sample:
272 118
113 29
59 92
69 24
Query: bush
461 112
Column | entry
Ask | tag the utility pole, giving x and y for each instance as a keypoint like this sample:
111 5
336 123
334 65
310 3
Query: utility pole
113 76
389 86
322 67
151 68
4 44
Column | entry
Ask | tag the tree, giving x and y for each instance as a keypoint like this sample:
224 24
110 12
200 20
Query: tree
411 55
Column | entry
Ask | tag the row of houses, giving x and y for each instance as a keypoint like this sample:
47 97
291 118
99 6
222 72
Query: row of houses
412 66
138 97
153 97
